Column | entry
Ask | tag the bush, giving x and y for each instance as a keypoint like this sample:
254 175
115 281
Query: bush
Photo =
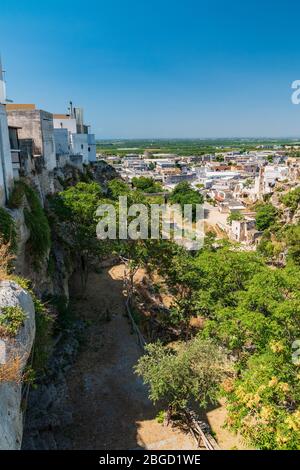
292 238
264 401
17 195
8 232
6 258
183 194
44 326
194 372
147 185
236 215
65 316
11 320
292 199
35 219
266 215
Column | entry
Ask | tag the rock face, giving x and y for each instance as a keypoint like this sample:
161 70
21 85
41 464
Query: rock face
14 351
48 406
49 409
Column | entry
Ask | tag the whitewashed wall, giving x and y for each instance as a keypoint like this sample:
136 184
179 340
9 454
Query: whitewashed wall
6 169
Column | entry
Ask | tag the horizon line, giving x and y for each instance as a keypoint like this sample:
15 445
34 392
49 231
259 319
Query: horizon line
199 138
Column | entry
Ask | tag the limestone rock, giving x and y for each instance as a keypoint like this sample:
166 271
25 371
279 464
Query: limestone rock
11 419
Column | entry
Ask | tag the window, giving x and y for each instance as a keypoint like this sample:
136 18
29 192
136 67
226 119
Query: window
89 149
13 138
81 146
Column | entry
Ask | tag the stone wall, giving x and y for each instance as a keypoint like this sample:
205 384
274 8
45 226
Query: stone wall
14 353
37 125
47 409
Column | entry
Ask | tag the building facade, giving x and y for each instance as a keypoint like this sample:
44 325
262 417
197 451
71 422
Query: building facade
80 141
34 125
6 169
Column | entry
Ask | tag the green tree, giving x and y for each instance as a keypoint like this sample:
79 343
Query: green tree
292 199
264 402
292 239
116 188
236 215
192 372
266 216
73 215
184 194
264 394
147 185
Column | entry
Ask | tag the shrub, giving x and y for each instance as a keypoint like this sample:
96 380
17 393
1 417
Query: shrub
147 185
183 194
17 195
292 199
65 315
5 259
177 378
266 215
35 219
7 229
38 225
11 320
44 326
237 215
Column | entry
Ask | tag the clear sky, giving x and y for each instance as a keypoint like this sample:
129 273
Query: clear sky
158 68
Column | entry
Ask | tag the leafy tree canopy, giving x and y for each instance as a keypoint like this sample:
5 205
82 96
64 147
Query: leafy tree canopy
176 377
147 185
266 215
292 199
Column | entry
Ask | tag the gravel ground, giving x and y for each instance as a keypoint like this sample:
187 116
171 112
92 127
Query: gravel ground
110 403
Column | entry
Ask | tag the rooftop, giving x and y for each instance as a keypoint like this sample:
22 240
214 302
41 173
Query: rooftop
61 116
16 106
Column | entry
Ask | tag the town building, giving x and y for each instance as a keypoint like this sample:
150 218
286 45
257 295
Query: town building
267 178
36 135
244 231
77 140
6 167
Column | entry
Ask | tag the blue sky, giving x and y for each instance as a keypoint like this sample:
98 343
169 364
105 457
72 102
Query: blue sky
158 68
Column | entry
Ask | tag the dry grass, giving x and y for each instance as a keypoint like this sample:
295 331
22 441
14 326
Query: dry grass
5 259
11 371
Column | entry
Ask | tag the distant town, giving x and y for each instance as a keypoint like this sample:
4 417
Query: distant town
97 331
231 180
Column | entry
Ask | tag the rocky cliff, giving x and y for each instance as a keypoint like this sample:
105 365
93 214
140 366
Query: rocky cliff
14 354
46 408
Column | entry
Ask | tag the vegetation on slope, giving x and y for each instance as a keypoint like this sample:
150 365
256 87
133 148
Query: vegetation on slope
35 219
8 232
250 313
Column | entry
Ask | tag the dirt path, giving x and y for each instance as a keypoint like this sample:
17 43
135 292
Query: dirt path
111 408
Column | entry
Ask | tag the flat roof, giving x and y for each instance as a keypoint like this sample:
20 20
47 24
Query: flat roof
61 116
16 106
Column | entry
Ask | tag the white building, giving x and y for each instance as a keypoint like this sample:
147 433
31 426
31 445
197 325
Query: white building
78 139
268 175
6 169
243 231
